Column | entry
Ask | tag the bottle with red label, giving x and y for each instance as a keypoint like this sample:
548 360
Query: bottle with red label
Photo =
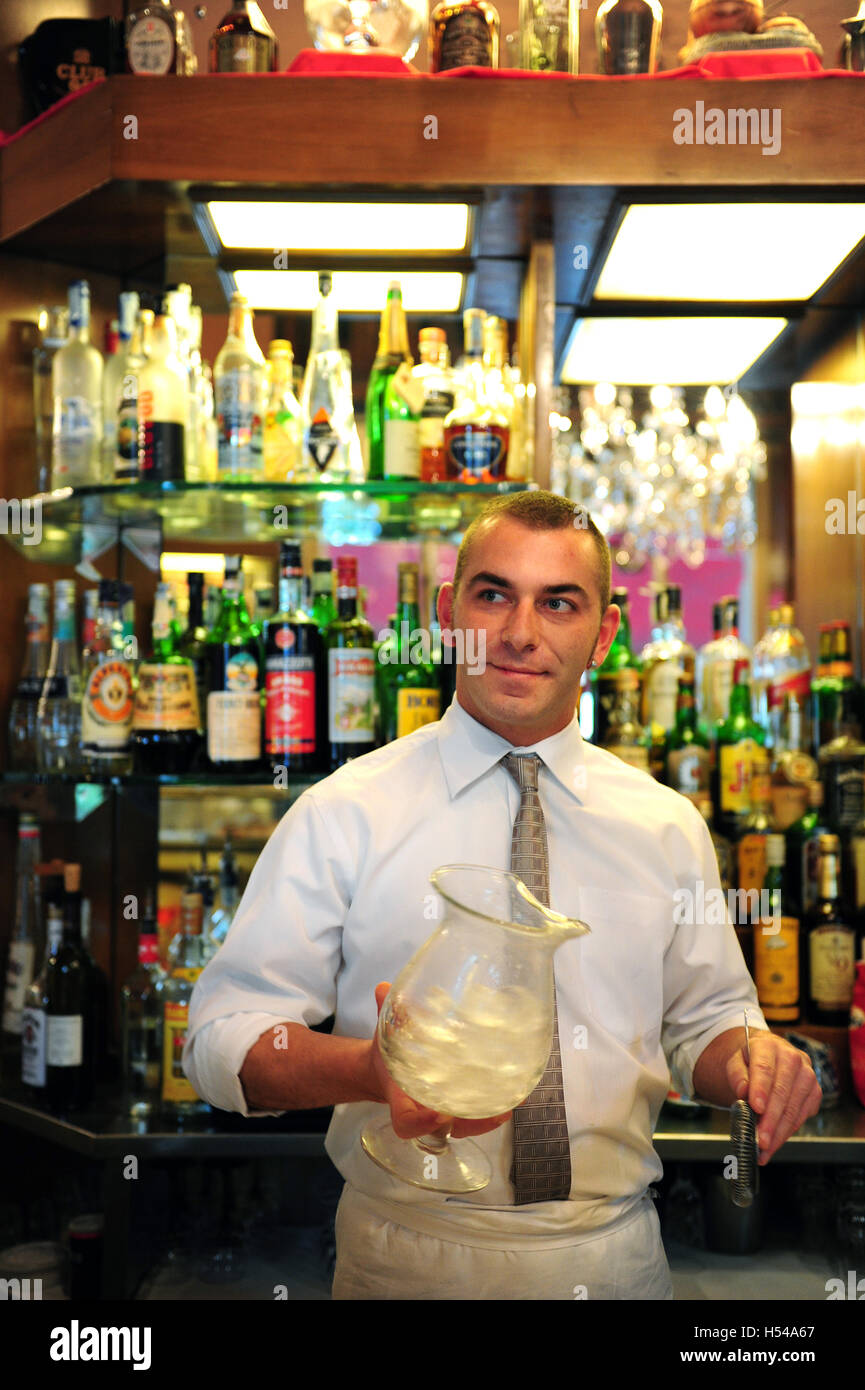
477 430
294 674
109 698
234 685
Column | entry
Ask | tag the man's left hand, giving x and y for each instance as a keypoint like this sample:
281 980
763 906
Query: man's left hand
780 1087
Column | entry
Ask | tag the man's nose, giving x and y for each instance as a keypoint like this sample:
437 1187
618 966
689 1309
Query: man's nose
521 629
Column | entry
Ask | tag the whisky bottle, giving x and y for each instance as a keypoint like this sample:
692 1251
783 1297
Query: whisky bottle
776 945
603 683
464 33
477 431
830 952
756 827
244 41
623 733
166 726
179 1098
803 841
409 694
666 657
715 662
158 41
739 739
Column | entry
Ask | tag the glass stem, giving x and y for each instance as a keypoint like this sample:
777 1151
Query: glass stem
437 1141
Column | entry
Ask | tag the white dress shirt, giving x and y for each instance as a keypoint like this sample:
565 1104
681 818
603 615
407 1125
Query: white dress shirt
340 898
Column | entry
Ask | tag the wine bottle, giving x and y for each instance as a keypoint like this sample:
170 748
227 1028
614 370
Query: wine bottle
33 1016
141 1008
234 682
70 1010
25 701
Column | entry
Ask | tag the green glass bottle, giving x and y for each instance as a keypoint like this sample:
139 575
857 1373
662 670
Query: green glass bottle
392 351
410 693
739 738
166 722
686 751
350 673
603 684
193 643
234 682
323 607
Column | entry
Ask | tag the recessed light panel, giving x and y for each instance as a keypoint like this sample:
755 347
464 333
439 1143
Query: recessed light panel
679 351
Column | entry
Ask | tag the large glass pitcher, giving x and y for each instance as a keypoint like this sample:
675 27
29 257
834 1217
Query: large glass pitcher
467 1026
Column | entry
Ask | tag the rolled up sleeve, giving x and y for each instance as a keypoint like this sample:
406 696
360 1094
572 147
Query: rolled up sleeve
706 983
280 959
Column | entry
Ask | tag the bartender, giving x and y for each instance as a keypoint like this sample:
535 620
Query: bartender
339 901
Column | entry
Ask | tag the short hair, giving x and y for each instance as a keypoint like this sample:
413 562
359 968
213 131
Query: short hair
538 511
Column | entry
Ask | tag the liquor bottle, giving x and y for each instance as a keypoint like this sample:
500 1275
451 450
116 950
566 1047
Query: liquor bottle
803 840
177 303
323 606
244 41
58 713
108 696
761 670
791 774
433 371
842 763
76 384
141 1008
54 330
464 33
158 40
295 675
205 466
240 397
25 942
776 945
350 672
222 915
116 368
128 432
833 692
392 352
163 406
477 433
756 827
550 35
33 1014
715 662
830 951
193 642
166 724
686 753
25 701
409 694
498 390
603 682
331 446
628 36
234 682
283 423
189 958
69 1010
403 403
664 659
738 739
443 655
623 733
789 690
723 849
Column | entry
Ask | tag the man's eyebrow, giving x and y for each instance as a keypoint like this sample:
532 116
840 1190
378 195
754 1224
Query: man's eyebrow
486 577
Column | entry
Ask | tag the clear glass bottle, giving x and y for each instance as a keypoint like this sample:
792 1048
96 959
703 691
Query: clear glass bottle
206 450
163 406
23 726
628 36
789 689
189 957
159 41
76 384
26 938
54 330
464 33
666 657
761 670
715 662
240 395
392 352
477 431
330 438
433 371
178 306
283 422
222 915
141 1010
116 368
33 1016
59 710
372 26
108 694
244 41
550 35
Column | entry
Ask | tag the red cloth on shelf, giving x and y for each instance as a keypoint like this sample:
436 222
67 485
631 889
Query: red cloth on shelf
58 106
321 64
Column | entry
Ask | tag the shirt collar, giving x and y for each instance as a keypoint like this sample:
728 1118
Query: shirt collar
469 749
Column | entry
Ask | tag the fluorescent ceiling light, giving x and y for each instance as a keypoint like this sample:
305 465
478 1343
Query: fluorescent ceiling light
378 228
679 351
355 291
729 251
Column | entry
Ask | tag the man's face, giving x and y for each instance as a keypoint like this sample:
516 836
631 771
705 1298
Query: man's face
536 597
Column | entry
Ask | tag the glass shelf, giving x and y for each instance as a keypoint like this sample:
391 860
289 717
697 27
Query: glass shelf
76 524
210 780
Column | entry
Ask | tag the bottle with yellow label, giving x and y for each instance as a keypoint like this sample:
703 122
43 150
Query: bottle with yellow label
188 958
776 945
739 738
751 861
409 692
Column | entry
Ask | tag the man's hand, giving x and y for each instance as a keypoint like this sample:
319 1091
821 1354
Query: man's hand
409 1119
780 1087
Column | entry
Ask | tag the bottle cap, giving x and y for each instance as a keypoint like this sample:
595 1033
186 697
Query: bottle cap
289 555
72 878
322 565
828 844
346 572
786 614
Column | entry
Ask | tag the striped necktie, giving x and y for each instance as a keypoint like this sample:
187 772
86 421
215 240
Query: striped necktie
541 1168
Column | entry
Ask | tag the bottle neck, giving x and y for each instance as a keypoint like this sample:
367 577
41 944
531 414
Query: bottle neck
290 589
740 700
346 603
686 712
72 920
325 334
393 332
195 617
828 877
163 641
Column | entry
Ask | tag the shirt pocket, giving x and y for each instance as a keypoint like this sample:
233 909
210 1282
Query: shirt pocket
622 964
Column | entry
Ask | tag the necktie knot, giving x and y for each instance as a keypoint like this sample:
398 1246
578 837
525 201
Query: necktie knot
523 767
